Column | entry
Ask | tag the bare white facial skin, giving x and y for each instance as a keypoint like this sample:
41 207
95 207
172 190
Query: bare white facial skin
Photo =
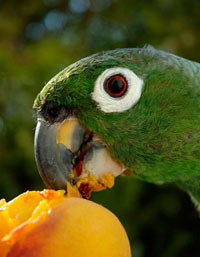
108 103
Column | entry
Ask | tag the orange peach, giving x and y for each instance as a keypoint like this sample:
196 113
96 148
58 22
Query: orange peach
51 224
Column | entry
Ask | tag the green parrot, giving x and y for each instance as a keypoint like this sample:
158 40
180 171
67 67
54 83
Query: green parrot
133 111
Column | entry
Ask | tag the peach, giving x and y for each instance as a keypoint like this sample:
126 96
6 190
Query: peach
51 224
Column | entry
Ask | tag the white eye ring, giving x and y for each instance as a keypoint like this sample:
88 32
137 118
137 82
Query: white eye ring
108 103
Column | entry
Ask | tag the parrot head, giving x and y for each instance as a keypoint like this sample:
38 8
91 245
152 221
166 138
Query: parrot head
126 111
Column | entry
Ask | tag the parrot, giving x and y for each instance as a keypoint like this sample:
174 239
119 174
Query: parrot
128 111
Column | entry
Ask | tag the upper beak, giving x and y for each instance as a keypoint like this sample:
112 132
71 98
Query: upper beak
55 149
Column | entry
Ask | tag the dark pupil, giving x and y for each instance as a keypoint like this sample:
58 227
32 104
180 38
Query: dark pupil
115 85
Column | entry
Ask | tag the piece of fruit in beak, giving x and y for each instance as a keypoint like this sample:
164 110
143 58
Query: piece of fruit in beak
53 224
69 152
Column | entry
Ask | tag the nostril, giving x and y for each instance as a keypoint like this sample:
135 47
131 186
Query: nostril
53 112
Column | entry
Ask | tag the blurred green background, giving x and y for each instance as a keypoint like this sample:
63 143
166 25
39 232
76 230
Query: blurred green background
38 39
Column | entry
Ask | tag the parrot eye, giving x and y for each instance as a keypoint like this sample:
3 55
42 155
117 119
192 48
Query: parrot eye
117 89
53 112
116 86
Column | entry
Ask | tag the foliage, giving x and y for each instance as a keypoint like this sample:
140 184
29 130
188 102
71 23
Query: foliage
38 39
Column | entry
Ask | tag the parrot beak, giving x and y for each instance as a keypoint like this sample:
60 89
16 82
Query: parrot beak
67 151
55 147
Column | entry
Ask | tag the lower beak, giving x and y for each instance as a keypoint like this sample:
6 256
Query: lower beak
67 152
